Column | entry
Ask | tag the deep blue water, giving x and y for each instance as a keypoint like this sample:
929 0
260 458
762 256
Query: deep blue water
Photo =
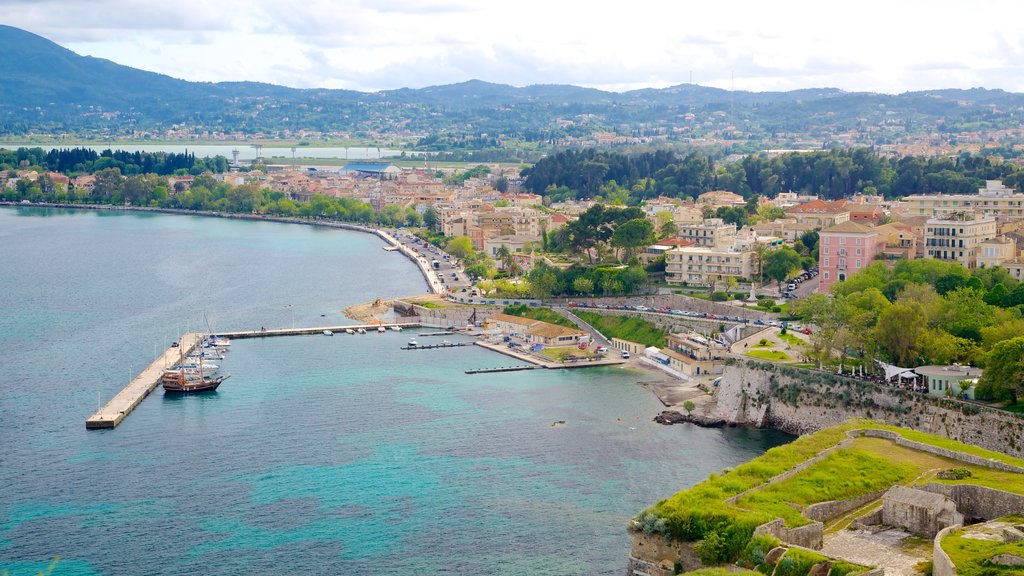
322 455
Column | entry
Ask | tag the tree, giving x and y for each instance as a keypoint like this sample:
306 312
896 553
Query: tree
1004 372
430 218
583 285
543 282
633 234
459 247
899 331
780 263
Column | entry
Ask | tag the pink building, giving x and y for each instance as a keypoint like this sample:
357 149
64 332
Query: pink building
843 250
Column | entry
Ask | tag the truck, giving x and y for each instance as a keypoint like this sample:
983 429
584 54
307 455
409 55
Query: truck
437 265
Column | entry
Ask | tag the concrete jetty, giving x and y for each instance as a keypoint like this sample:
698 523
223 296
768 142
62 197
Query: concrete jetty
114 411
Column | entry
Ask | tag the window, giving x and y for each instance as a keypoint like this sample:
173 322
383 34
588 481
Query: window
858 263
826 263
826 274
826 249
842 276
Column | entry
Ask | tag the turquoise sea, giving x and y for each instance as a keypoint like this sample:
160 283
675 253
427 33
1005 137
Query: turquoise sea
320 455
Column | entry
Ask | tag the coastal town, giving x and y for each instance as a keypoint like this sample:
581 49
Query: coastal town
379 292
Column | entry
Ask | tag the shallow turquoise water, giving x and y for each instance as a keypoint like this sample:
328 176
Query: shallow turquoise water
338 455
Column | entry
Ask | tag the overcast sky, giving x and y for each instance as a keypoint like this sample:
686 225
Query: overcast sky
882 46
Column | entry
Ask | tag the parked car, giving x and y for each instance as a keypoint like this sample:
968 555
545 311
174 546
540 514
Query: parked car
602 350
625 355
806 331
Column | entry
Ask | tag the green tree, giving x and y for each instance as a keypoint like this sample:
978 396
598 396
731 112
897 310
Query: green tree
543 282
780 263
632 235
899 331
583 285
1004 371
430 218
460 247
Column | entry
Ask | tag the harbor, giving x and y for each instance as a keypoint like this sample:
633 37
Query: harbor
111 414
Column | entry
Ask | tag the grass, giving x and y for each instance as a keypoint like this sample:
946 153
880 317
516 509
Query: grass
631 328
843 474
430 305
564 353
721 572
969 555
543 314
791 339
868 465
772 355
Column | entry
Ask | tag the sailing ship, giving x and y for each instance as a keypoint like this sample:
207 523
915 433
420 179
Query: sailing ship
188 378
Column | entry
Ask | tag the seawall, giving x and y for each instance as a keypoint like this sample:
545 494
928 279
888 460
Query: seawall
800 401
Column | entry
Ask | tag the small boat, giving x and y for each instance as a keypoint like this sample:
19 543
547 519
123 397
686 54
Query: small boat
381 329
412 343
349 331
187 380
361 330
328 333
218 341
396 328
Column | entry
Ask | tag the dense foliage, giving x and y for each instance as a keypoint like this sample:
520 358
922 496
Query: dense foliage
830 174
924 312
86 161
631 328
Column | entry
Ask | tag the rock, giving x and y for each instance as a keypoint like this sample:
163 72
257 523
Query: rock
673 417
772 558
1007 560
820 569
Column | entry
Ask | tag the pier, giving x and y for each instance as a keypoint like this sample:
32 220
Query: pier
441 345
115 410
504 369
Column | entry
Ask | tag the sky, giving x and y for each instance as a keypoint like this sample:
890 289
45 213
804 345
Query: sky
890 46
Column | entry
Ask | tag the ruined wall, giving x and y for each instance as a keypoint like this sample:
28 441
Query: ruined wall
655 556
801 401
825 511
809 536
941 564
979 502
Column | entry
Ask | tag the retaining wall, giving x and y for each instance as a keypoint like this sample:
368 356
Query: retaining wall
941 564
979 502
809 536
825 511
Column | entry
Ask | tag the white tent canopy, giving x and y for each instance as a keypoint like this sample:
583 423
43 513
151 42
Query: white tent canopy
894 371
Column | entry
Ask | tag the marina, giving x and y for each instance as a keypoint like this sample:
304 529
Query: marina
502 369
114 411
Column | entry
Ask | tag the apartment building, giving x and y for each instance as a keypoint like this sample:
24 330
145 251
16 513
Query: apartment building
710 232
843 250
955 237
993 200
703 265
819 213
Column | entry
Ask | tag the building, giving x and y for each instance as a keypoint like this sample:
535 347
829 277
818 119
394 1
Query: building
710 232
704 266
721 198
952 380
843 250
534 331
786 228
694 355
955 237
995 251
993 200
921 513
819 213
898 241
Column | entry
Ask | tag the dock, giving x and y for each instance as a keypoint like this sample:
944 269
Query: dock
115 410
442 345
504 369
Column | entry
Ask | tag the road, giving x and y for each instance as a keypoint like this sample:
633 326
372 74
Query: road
448 274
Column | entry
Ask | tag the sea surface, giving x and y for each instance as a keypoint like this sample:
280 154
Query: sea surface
319 455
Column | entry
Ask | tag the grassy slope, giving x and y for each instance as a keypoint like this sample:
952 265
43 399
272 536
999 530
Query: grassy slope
969 555
632 328
543 314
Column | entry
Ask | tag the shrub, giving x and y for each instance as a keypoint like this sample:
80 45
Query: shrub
712 549
719 296
755 551
776 309
955 474
766 303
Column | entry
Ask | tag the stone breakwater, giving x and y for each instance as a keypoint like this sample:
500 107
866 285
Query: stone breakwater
801 401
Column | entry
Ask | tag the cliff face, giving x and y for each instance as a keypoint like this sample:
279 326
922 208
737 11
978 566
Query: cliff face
802 401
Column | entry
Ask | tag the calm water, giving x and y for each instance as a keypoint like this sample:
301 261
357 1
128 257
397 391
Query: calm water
321 455
245 152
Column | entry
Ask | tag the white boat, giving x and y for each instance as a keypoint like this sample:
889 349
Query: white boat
328 333
412 343
381 329
349 331
396 328
218 341
361 330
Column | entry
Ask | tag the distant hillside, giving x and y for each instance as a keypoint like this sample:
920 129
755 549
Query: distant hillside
47 88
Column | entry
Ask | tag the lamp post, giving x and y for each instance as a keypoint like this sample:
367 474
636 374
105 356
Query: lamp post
292 308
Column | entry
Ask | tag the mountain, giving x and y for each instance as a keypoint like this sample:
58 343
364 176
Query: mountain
49 89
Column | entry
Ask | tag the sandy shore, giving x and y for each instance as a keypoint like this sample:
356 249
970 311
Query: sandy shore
368 312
